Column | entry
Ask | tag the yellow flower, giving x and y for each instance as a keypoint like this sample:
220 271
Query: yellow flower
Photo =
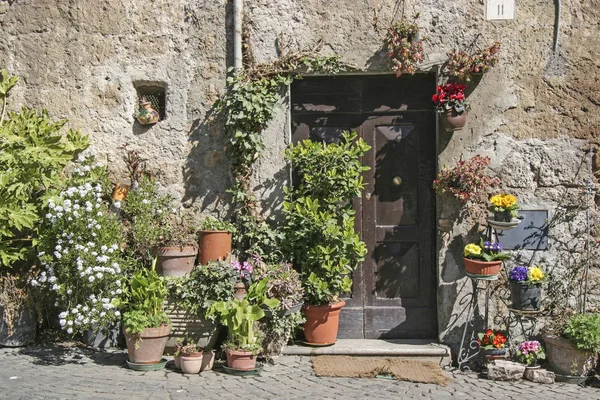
536 274
472 250
496 200
508 200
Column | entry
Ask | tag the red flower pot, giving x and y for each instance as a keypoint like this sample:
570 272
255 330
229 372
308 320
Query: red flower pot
452 121
322 323
482 268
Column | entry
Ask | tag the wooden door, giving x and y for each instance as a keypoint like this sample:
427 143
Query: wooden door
394 290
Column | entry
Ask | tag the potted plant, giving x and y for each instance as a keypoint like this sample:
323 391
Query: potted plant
485 259
404 48
574 351
320 227
529 352
214 240
492 343
239 317
191 296
451 105
463 65
467 181
243 271
154 230
146 324
526 287
191 358
504 207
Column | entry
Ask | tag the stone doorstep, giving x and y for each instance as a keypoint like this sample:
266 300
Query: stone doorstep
413 348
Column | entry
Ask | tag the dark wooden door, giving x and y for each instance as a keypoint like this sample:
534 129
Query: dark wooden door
394 289
398 226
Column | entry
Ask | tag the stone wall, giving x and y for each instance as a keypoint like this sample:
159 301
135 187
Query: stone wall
533 114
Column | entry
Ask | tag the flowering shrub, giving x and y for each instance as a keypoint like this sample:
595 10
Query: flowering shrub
243 270
486 251
146 212
504 202
80 256
531 275
491 339
530 351
467 180
404 47
450 97
462 64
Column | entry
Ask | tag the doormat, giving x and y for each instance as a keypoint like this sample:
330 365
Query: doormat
369 367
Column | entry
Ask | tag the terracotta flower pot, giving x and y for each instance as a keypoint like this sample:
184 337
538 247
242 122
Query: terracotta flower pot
208 360
322 323
482 268
452 121
151 345
175 261
566 359
191 364
239 290
242 360
214 246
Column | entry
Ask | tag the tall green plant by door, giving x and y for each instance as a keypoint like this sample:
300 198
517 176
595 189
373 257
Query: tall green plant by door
320 218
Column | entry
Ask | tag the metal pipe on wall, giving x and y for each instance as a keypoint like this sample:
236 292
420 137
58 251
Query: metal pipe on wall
556 25
238 15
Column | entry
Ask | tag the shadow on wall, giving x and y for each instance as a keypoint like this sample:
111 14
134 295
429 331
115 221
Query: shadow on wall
206 170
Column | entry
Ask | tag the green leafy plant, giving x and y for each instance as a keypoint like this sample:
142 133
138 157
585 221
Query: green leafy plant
205 285
486 251
33 155
404 48
583 331
283 282
239 317
213 224
142 301
319 216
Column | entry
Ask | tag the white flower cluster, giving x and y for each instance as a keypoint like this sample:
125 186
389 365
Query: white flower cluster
82 262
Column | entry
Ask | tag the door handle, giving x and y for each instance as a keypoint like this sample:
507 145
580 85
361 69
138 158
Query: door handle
367 195
396 181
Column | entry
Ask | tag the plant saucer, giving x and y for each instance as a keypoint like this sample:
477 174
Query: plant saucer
244 372
318 344
504 226
147 367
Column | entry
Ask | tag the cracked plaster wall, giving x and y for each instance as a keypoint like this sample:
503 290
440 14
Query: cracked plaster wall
533 114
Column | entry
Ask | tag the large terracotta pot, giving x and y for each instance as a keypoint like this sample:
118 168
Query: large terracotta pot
151 345
566 359
482 268
208 360
214 246
242 360
175 261
451 121
322 323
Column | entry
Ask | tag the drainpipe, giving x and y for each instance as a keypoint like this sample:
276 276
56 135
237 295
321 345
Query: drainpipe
238 7
556 25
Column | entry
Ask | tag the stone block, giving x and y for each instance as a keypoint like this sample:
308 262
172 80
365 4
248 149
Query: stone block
539 375
505 371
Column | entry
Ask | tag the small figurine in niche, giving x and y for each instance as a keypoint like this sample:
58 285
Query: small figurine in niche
147 114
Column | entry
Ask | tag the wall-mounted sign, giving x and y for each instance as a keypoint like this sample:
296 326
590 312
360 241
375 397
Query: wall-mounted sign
499 9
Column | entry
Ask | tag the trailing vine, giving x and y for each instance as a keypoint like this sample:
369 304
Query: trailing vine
246 108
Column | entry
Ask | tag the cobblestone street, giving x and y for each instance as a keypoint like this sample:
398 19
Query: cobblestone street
68 372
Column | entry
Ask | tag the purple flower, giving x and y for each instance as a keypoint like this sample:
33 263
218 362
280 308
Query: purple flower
518 273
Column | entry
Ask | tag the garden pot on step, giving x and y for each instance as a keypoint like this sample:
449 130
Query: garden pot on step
151 345
175 261
214 246
322 323
566 359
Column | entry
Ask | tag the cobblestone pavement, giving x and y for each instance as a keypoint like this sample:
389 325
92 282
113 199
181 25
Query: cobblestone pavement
69 372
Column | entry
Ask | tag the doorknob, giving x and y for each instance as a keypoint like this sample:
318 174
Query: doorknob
397 181
367 195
